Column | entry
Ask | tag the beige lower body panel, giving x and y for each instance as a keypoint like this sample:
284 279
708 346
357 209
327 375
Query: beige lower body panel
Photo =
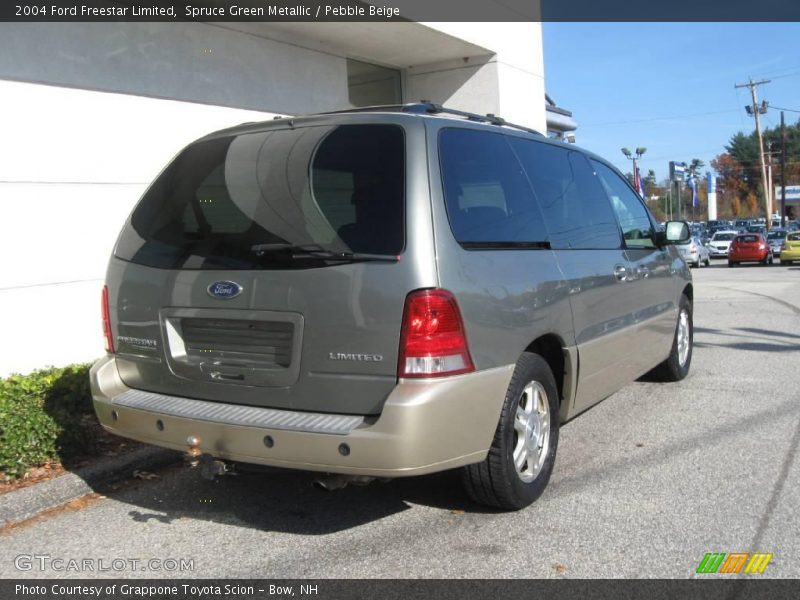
426 426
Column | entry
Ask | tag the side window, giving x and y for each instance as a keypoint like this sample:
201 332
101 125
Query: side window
575 209
487 196
637 228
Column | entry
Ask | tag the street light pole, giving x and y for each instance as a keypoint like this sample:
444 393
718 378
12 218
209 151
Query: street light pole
755 111
636 176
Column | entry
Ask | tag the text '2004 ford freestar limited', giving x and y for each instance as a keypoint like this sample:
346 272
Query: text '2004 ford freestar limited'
384 293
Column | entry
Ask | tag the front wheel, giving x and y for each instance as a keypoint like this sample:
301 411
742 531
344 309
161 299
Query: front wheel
520 460
676 367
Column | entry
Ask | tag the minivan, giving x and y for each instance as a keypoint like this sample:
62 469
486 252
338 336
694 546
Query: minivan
386 292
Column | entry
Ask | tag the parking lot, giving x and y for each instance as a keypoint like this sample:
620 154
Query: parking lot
645 483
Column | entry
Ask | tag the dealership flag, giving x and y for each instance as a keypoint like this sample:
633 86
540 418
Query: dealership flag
692 183
638 182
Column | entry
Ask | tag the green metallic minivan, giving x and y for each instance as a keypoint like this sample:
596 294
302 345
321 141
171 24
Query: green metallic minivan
386 292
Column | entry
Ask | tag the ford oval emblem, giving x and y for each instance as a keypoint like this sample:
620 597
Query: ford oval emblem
224 289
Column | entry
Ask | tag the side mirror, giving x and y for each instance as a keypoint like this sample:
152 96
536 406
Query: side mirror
675 232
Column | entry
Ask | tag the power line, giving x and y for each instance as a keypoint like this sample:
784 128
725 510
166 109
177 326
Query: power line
648 120
794 110
795 74
781 70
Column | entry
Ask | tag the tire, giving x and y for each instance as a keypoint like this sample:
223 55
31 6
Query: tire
708 261
786 262
697 264
677 365
530 407
731 263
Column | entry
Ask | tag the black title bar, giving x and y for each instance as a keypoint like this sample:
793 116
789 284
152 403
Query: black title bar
401 10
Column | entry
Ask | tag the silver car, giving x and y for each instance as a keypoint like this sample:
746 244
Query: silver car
775 240
386 293
695 253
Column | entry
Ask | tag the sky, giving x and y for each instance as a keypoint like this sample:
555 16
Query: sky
669 86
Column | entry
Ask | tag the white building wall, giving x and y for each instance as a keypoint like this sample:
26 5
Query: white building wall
72 165
92 112
510 80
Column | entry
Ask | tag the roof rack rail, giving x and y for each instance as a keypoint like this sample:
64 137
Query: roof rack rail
432 108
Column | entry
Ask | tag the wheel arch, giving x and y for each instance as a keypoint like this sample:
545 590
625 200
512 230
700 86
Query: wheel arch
688 291
562 363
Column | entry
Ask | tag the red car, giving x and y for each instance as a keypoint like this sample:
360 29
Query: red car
749 247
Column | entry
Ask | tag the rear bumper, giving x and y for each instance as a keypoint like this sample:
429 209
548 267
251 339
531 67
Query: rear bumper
426 426
790 255
748 256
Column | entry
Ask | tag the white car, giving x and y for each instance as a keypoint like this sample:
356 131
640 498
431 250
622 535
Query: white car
720 243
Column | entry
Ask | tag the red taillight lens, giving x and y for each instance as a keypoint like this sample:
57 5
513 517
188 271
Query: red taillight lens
107 321
432 340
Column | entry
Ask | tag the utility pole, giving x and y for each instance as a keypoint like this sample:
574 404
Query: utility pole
783 170
755 110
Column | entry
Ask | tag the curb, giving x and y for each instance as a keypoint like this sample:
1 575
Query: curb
28 502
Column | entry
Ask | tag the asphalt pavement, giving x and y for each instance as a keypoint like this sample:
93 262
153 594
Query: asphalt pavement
645 484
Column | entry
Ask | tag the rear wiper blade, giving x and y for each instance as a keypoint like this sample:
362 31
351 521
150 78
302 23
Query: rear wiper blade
317 251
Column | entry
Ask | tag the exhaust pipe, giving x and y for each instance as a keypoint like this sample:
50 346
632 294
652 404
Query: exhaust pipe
329 483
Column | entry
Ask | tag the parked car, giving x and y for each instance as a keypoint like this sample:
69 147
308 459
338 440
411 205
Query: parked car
749 247
720 242
694 253
775 239
791 248
762 229
741 225
386 293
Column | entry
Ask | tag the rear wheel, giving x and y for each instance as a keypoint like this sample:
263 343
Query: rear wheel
786 262
731 263
676 367
520 460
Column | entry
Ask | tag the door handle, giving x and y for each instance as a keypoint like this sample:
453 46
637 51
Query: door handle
621 273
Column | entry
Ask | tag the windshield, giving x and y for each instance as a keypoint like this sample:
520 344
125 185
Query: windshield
776 235
277 199
723 237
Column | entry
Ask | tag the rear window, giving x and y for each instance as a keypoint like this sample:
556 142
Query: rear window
239 201
747 239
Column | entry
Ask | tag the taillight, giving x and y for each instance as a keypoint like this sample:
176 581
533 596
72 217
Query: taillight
107 321
432 339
